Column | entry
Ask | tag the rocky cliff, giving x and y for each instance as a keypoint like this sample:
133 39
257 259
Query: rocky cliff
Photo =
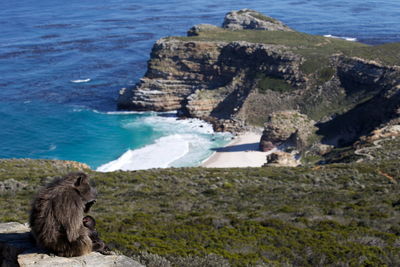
237 75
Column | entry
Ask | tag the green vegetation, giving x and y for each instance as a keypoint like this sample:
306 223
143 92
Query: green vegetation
260 16
385 149
275 84
316 49
327 215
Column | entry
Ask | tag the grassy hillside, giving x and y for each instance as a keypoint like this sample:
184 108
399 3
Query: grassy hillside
327 215
316 49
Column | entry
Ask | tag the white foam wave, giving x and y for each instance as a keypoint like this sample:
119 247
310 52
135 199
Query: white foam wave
134 112
341 37
122 112
161 154
81 80
172 125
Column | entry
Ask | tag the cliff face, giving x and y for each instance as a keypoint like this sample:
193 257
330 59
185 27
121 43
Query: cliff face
208 79
176 70
234 78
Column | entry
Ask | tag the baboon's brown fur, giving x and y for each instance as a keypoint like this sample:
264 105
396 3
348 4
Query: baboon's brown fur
56 217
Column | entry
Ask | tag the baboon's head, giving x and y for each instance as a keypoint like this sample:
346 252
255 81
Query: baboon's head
81 184
89 222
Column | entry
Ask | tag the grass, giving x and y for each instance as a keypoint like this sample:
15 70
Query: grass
275 84
263 17
329 215
316 49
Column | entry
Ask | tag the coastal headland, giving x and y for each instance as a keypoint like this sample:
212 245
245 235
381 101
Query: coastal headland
333 103
254 67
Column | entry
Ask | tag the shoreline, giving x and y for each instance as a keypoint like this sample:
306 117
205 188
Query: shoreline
242 151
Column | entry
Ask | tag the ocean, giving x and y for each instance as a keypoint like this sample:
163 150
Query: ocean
62 64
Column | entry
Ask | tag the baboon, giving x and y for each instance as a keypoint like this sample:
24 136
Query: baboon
98 244
56 218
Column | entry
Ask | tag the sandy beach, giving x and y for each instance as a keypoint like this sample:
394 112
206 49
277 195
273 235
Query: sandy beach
243 151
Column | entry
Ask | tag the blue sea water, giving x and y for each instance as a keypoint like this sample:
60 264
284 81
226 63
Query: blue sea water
63 62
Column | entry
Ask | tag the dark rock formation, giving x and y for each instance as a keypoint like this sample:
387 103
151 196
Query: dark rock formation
247 19
375 90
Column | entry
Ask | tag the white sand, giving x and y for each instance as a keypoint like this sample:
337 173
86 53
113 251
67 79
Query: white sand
243 151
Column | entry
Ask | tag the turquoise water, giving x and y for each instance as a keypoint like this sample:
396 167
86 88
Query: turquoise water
63 62
96 138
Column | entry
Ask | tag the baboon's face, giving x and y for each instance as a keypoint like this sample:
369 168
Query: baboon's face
87 192
89 222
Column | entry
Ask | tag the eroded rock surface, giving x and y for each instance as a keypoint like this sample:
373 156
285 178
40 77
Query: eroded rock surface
17 248
234 79
282 159
287 127
247 19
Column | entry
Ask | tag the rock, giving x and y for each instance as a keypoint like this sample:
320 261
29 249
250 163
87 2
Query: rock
385 132
321 149
247 19
176 70
68 165
359 77
282 159
206 79
74 164
197 29
17 248
238 83
289 128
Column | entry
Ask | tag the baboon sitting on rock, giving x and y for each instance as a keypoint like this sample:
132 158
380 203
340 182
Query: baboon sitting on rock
57 214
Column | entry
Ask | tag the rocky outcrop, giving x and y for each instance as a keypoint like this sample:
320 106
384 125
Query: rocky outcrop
282 159
287 127
321 149
18 249
60 164
176 70
216 76
247 19
375 91
389 131
208 80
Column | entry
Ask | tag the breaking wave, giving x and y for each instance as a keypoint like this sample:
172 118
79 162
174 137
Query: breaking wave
340 37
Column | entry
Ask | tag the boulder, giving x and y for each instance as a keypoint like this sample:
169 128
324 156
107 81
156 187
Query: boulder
17 248
287 127
282 159
321 149
247 19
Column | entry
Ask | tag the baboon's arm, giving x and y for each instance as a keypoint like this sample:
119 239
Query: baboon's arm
70 216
